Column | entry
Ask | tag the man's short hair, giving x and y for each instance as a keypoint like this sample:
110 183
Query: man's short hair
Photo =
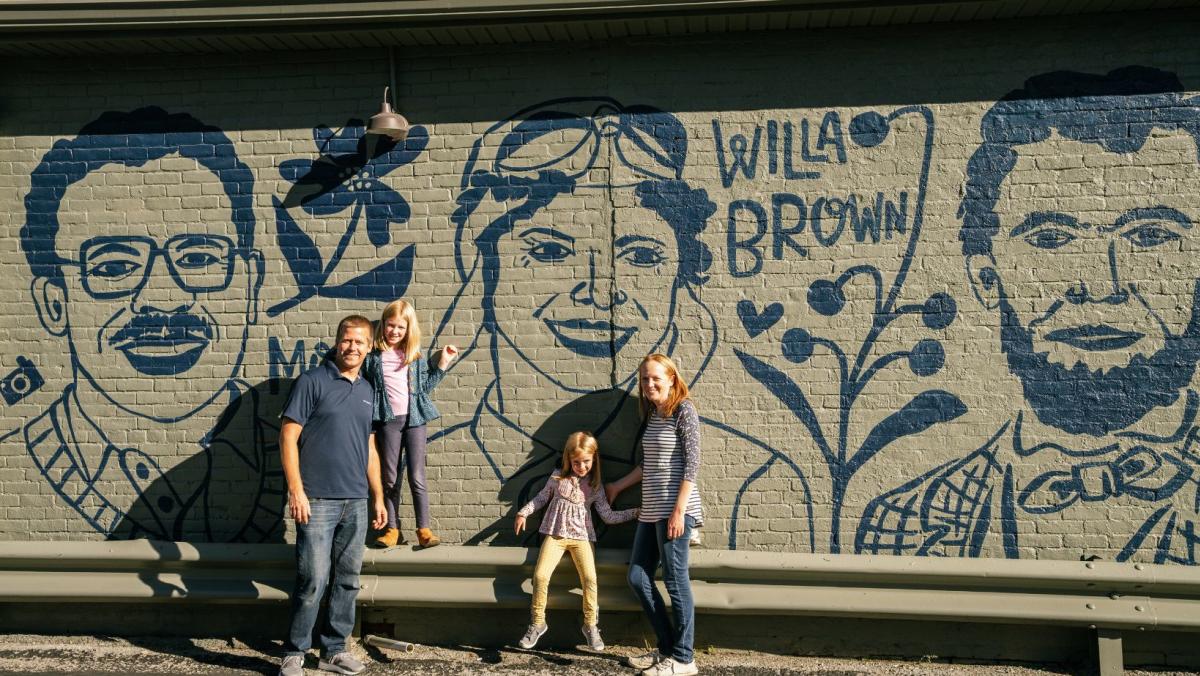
1116 111
132 139
353 322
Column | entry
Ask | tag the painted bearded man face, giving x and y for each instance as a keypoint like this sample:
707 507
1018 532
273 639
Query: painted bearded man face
1092 263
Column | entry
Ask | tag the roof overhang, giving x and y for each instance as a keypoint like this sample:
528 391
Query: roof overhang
67 27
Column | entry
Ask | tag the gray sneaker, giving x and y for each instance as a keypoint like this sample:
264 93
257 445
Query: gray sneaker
644 661
669 667
342 663
293 665
592 634
532 634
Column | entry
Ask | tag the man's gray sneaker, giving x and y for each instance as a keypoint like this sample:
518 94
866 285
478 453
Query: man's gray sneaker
532 634
293 665
592 634
644 661
342 663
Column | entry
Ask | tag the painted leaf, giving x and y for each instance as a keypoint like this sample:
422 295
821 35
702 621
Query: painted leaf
385 283
399 154
789 394
302 256
320 189
292 170
924 411
321 135
346 140
386 206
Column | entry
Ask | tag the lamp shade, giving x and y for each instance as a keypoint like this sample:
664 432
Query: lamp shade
387 122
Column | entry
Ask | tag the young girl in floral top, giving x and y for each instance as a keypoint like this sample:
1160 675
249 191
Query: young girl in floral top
567 526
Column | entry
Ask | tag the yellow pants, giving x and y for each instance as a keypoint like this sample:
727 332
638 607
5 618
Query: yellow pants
551 553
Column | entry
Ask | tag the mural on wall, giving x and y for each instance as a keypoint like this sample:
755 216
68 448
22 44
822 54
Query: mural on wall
828 219
559 188
584 240
143 307
1096 304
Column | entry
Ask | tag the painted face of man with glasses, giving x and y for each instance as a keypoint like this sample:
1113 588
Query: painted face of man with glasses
143 260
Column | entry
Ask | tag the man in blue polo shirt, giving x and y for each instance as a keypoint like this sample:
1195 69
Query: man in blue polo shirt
331 464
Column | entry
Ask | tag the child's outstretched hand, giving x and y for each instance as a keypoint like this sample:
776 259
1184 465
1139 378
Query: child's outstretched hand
520 524
449 354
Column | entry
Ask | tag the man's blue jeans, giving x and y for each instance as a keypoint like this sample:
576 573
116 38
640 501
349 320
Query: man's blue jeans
651 546
331 540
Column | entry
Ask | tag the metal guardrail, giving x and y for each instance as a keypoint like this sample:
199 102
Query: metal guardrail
1096 594
1106 596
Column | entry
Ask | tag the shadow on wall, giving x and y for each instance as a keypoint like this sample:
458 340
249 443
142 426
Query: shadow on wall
231 491
618 456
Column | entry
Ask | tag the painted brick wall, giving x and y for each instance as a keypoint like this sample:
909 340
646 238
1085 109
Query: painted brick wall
933 287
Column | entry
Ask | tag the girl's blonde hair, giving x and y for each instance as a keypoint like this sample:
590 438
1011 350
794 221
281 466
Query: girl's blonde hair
679 388
581 442
411 344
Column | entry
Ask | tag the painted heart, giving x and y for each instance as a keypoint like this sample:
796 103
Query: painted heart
756 322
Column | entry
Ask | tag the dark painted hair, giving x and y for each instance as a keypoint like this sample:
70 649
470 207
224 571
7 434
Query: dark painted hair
1116 111
132 139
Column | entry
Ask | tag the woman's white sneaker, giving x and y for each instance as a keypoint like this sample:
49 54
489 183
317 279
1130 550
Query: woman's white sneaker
645 661
669 667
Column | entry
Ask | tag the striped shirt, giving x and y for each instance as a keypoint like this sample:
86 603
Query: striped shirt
671 453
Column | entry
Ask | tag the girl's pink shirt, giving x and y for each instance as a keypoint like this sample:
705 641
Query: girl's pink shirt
395 380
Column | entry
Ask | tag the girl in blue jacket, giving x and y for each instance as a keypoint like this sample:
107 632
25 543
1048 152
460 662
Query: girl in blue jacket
403 379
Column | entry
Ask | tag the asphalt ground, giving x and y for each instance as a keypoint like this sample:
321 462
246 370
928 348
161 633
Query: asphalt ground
40 654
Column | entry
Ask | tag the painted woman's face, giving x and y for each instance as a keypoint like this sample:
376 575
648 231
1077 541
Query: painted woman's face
592 275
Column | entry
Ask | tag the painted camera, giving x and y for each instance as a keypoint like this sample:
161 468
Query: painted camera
20 382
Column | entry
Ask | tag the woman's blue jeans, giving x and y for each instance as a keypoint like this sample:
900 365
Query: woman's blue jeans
331 541
650 547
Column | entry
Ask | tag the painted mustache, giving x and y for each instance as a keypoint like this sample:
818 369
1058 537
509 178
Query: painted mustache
157 329
157 344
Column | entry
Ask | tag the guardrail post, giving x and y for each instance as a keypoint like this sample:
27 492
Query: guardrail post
1109 653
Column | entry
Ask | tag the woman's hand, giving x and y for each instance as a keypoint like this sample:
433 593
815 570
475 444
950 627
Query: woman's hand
675 525
449 354
611 491
520 524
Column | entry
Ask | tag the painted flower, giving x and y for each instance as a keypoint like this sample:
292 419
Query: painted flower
346 175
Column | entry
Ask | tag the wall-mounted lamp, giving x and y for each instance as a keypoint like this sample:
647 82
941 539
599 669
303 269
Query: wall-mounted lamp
388 122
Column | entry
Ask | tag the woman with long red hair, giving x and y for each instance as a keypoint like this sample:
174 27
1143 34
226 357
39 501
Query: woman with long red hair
671 510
